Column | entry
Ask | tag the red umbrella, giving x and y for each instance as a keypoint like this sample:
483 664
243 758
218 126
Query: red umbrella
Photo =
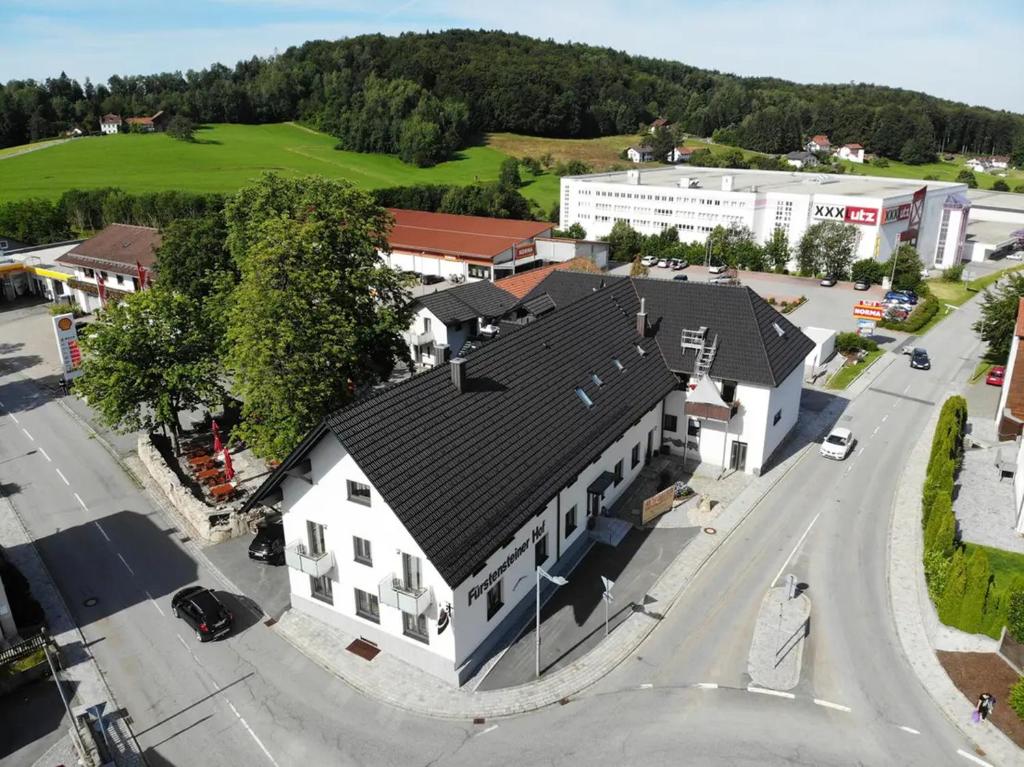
229 471
217 446
143 275
101 288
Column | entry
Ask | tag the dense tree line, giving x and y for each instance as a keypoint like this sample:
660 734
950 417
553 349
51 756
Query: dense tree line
423 95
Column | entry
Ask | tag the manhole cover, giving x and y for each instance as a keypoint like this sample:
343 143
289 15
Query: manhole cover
91 602
710 530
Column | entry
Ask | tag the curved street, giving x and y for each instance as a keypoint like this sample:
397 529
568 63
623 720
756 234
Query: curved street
682 698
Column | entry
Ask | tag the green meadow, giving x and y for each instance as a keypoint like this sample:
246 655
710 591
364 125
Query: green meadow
226 157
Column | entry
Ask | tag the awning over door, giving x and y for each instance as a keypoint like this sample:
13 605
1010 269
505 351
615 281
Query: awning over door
599 485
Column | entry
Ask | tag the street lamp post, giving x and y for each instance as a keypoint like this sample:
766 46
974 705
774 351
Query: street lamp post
558 580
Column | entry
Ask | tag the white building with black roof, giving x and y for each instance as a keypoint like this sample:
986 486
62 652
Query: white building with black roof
416 518
444 321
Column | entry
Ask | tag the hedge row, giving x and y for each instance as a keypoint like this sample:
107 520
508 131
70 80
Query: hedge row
962 586
918 318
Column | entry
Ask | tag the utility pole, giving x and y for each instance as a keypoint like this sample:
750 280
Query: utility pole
63 697
607 598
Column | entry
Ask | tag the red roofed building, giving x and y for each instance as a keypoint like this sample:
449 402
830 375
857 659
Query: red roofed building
111 257
521 284
819 143
852 152
462 247
148 124
110 123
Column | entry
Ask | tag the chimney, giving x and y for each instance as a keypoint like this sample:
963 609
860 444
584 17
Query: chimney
726 183
458 367
440 354
633 176
641 319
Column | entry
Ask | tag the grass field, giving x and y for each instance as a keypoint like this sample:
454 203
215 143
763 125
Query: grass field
226 157
943 171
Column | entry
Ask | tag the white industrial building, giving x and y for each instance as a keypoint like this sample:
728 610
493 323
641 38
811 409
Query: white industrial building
885 211
415 519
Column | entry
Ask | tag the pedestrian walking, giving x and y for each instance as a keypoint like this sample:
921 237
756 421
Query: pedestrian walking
986 702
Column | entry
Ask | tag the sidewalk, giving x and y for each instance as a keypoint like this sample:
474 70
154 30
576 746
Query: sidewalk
916 621
394 682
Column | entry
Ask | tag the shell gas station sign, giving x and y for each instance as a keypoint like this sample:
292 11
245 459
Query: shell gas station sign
67 345
868 310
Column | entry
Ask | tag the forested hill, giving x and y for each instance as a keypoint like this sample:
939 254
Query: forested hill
423 95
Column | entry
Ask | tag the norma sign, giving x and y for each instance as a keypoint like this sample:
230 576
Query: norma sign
67 344
868 310
525 250
851 214
896 213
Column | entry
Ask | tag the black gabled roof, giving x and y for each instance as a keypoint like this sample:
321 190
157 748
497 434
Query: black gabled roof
464 471
750 350
466 302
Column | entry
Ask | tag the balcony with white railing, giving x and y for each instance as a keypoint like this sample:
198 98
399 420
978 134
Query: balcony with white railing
298 557
394 592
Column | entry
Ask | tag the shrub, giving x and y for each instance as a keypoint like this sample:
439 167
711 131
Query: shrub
936 572
1015 616
979 578
921 316
66 307
956 586
953 273
1000 186
880 162
868 269
847 343
1017 697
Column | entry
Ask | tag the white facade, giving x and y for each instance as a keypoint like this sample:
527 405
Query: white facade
640 154
453 655
552 250
442 266
696 200
126 281
852 152
427 332
108 128
977 165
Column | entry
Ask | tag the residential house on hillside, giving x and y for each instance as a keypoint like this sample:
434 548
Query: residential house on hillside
444 321
852 152
110 123
802 159
819 144
156 122
1000 161
416 518
978 164
681 154
640 154
660 122
118 260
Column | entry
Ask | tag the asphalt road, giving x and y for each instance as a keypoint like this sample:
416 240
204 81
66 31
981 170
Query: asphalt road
253 700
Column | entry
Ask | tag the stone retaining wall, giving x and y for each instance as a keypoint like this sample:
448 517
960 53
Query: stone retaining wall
213 525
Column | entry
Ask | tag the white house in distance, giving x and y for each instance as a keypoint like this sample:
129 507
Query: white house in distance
852 152
415 519
802 159
819 144
660 122
108 264
1000 161
445 320
110 123
978 165
681 154
885 211
640 154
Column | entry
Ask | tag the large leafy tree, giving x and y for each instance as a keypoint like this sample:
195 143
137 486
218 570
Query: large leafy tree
998 315
149 357
776 250
827 248
193 257
316 314
905 267
33 220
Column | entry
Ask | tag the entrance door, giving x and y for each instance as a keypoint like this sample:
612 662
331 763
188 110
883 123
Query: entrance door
738 460
411 573
650 447
593 504
317 545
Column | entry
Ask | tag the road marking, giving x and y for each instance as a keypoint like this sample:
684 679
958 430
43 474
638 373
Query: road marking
12 415
492 728
861 451
911 730
646 686
707 685
102 531
182 640
907 389
61 475
78 498
793 552
27 434
125 563
45 455
155 604
258 741
875 431
766 691
828 704
884 417
973 758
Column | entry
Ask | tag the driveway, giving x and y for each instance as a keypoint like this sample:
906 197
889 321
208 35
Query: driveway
266 585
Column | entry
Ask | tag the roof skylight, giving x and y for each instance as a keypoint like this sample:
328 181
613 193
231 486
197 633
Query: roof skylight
584 398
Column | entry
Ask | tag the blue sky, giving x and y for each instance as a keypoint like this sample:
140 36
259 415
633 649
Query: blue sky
957 50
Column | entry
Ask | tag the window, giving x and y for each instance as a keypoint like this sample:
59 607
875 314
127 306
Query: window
494 600
415 626
634 457
317 538
570 521
89 273
103 276
777 418
135 284
479 272
728 391
693 429
359 493
367 605
670 422
618 473
412 573
426 324
119 278
540 551
320 588
361 548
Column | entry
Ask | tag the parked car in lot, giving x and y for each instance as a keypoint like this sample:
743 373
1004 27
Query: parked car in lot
996 375
717 268
648 260
861 285
828 281
268 545
837 444
901 297
919 359
678 264
681 277
663 263
431 279
199 607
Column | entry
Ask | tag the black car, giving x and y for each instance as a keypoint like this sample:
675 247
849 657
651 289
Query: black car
681 278
919 359
268 545
200 609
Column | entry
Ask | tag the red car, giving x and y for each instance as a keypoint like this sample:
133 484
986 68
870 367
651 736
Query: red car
996 376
